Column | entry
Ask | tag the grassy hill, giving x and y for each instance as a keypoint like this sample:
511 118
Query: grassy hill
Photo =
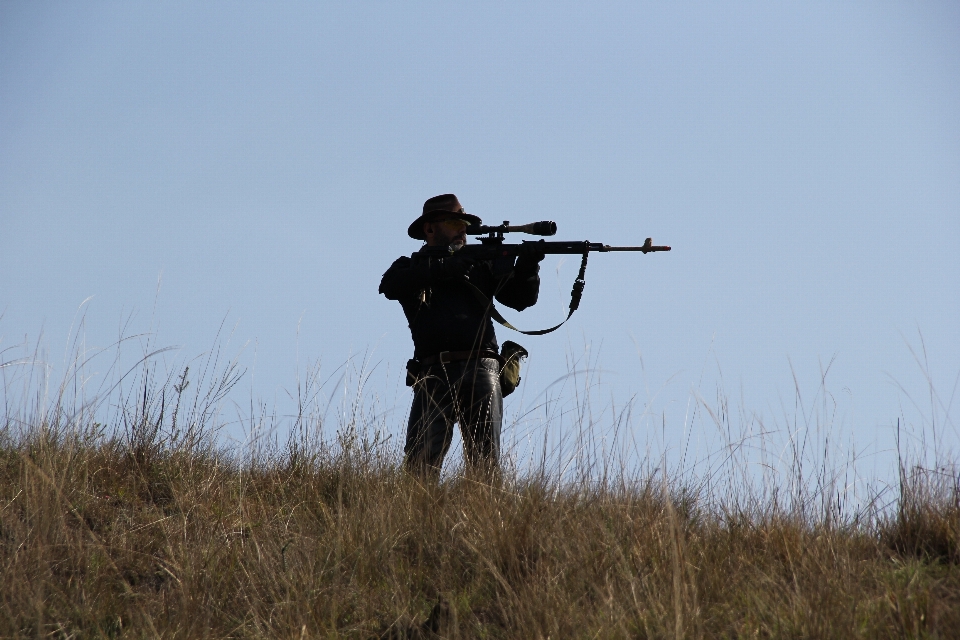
127 537
151 528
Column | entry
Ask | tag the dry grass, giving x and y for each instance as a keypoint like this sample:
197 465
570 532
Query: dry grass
103 536
150 529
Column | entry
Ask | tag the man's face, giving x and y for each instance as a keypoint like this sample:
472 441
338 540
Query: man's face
446 232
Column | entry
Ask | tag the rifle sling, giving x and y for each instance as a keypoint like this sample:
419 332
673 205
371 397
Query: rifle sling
575 294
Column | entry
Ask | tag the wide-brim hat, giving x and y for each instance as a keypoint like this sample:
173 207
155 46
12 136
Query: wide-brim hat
445 206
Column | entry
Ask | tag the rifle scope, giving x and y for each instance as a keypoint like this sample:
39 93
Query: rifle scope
542 228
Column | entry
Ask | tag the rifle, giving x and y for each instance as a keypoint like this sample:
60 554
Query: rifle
492 247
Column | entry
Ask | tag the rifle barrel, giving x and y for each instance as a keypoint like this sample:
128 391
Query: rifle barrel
644 248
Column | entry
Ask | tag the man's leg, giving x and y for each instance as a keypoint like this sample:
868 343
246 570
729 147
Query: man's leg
430 428
480 414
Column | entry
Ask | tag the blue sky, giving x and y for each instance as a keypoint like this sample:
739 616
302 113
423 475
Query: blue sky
187 166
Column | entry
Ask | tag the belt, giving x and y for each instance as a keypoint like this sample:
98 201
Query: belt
456 356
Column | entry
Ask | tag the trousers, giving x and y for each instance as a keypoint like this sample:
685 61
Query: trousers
467 393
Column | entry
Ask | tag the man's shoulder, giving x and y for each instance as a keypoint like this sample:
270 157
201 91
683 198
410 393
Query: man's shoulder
402 261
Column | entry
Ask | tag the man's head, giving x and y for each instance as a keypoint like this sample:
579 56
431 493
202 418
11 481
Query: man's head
443 222
446 232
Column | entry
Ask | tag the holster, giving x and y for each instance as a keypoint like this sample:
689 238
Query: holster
413 371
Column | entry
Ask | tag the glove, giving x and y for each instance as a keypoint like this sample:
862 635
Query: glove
531 253
452 268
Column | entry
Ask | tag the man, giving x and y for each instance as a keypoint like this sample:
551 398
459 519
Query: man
456 365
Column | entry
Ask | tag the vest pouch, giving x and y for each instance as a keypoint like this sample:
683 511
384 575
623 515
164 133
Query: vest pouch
512 354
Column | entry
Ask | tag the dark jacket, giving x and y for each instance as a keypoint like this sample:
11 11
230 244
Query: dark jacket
443 313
